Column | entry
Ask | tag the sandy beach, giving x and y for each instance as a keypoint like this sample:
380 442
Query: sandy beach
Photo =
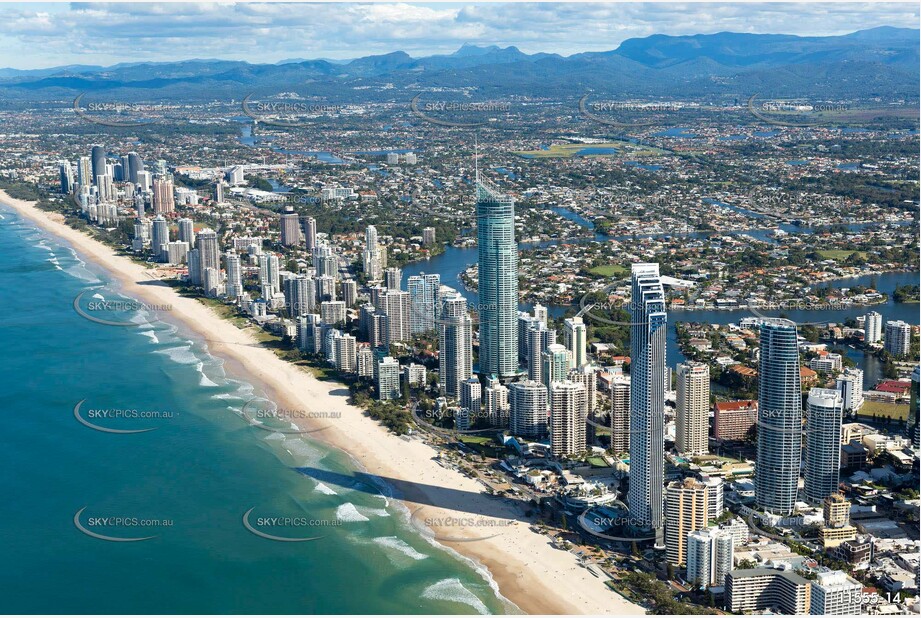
532 574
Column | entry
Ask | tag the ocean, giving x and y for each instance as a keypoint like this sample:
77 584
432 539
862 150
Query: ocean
171 501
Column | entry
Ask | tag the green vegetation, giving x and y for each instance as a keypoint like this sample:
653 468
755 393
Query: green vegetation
596 462
658 595
484 445
569 150
881 409
906 293
609 270
840 254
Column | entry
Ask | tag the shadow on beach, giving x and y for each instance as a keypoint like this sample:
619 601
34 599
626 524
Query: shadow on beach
426 495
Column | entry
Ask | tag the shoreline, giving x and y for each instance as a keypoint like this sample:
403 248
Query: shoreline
527 570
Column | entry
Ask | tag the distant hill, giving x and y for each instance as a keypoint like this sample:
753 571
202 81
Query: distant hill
880 62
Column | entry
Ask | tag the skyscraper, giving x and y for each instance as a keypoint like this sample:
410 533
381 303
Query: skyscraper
67 177
495 403
709 557
898 337
393 278
163 201
396 305
98 158
872 327
498 281
686 511
824 408
159 238
325 262
84 172
388 379
554 364
309 226
371 258
527 401
187 231
269 276
290 229
455 344
302 294
135 166
568 412
209 254
620 414
647 398
780 418
693 398
574 338
539 338
850 383
471 398
424 302
234 289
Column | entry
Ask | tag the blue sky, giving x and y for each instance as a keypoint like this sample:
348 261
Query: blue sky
56 34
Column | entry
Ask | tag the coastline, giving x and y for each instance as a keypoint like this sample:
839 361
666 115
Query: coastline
528 571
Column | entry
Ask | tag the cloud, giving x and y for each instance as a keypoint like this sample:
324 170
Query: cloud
108 33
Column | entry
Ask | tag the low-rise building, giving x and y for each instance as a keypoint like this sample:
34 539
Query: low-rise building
759 590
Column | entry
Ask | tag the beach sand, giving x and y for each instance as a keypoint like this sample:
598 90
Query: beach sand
532 574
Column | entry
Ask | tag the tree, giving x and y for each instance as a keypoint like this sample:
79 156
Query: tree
634 549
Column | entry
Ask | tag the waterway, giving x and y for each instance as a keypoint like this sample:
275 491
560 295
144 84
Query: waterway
454 261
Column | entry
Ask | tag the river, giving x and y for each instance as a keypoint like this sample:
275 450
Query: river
454 261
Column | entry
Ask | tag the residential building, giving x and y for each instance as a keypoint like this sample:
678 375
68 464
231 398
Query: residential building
647 397
527 408
685 511
835 593
568 412
759 590
498 282
824 408
780 417
693 409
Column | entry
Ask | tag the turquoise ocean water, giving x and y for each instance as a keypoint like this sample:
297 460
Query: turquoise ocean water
187 483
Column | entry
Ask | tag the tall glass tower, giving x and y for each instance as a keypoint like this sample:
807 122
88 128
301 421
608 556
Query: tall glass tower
648 328
780 418
824 409
498 281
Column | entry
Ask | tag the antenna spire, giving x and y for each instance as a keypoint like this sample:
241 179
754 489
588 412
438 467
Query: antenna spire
476 157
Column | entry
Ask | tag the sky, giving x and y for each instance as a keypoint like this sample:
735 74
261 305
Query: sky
57 34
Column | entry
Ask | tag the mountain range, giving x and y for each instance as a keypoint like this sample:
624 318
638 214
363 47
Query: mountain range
880 62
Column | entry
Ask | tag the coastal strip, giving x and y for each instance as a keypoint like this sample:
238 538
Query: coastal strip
529 571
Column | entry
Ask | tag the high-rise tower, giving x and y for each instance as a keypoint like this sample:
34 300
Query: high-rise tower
498 281
647 398
780 418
